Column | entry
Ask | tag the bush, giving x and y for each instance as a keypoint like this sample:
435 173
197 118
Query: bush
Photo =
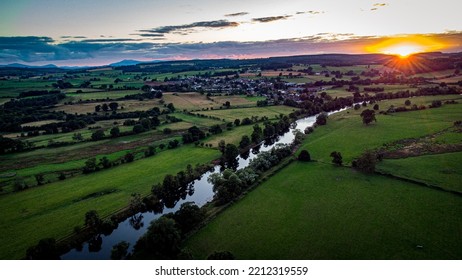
304 156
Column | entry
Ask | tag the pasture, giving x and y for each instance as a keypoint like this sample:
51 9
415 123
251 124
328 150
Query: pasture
319 211
443 170
231 114
55 209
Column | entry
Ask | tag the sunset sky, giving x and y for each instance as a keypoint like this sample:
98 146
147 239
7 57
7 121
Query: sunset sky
96 32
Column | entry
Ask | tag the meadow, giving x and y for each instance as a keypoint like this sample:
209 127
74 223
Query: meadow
55 209
316 210
319 211
231 114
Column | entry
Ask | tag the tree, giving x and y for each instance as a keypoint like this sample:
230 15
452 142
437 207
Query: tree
92 220
138 128
407 102
90 166
336 158
321 119
162 239
115 131
257 134
104 161
171 107
46 249
188 216
304 156
129 157
113 106
368 116
97 108
222 146
97 135
105 107
120 250
366 162
237 122
230 154
40 179
376 107
245 141
146 88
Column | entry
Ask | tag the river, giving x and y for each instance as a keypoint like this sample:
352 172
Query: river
130 230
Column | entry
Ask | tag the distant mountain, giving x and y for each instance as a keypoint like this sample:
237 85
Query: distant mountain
129 62
18 65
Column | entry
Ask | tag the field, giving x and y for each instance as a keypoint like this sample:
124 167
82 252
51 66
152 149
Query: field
443 170
125 106
231 114
188 100
54 210
230 136
317 211
355 136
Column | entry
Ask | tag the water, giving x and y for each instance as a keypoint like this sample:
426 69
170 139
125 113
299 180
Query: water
130 230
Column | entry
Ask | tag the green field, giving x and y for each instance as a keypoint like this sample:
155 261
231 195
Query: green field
54 210
231 114
443 170
318 211
231 136
347 134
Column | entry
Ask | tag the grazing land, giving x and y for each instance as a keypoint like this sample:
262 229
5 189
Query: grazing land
318 211
73 141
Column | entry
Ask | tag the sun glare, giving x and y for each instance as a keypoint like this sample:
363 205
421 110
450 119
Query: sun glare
405 46
404 50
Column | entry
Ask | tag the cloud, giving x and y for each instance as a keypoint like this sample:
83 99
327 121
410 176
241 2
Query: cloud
237 14
73 37
108 40
311 12
270 19
376 6
187 28
44 49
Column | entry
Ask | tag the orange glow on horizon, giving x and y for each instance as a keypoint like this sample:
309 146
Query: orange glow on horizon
405 46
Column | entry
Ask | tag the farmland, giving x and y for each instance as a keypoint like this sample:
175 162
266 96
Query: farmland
318 211
88 139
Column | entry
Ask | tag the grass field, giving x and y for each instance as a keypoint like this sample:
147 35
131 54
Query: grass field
347 134
128 106
237 100
55 209
231 114
443 170
188 100
197 121
231 136
318 211
100 94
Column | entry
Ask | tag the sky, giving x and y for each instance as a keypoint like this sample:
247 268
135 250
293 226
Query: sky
98 32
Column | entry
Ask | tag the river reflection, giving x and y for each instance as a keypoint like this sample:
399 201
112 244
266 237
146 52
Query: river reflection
200 192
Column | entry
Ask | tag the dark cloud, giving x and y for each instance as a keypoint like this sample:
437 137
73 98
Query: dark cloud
237 14
270 19
187 28
44 49
108 40
73 37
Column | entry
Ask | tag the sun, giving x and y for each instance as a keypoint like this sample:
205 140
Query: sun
406 45
404 50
